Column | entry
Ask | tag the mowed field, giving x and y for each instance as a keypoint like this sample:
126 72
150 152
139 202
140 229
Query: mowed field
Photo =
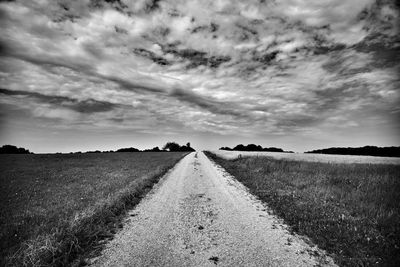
310 157
55 207
350 210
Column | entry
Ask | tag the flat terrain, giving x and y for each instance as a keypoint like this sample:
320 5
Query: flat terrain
350 210
310 157
197 215
43 195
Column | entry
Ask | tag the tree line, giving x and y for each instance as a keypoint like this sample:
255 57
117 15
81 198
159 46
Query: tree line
391 151
10 149
253 147
168 147
175 147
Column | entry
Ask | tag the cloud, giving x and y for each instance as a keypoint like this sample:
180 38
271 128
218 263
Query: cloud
227 67
83 106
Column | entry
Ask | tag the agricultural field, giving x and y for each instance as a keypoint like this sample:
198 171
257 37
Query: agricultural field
54 207
350 210
310 157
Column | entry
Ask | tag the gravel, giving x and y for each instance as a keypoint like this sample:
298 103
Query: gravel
198 215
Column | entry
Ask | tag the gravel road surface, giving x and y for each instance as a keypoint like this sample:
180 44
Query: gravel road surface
198 215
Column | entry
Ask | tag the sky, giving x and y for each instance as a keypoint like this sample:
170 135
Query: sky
295 74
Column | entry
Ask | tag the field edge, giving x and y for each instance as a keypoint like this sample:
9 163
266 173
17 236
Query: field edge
84 237
297 224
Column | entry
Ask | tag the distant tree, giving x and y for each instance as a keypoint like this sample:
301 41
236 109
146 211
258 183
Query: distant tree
273 149
253 147
239 147
95 151
172 146
154 149
9 149
361 151
186 148
130 149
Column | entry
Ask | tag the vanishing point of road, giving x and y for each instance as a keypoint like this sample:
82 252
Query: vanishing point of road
198 215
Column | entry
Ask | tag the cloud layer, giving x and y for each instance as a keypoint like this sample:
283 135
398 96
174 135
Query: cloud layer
246 68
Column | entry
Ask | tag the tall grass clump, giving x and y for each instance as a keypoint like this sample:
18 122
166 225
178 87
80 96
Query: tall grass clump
350 210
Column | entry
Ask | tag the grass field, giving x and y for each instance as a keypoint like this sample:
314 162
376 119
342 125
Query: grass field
55 208
310 157
350 210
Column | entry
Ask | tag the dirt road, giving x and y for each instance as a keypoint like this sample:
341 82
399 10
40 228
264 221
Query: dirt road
197 215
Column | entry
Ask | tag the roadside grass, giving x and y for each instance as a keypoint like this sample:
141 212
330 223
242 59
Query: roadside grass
350 210
57 210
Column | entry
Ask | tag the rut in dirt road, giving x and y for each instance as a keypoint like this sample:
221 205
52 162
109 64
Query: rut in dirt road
198 215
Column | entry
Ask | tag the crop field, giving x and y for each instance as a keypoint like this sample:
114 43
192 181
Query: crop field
310 157
350 210
54 207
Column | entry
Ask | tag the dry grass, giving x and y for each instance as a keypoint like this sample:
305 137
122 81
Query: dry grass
57 208
350 210
309 157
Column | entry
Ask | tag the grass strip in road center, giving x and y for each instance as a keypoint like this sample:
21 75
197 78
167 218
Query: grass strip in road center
350 210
